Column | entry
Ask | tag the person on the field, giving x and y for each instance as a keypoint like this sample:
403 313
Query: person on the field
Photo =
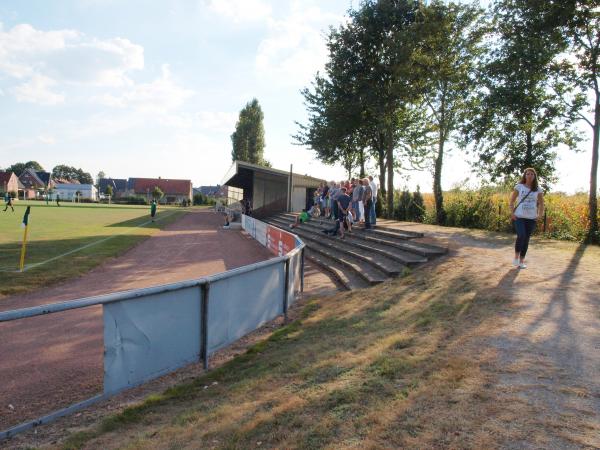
8 200
153 209
57 200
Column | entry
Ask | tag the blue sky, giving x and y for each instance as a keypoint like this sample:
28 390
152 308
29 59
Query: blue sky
148 89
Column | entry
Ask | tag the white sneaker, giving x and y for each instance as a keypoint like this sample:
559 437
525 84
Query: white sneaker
515 262
522 265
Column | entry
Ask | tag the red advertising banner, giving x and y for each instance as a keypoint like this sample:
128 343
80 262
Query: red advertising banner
280 242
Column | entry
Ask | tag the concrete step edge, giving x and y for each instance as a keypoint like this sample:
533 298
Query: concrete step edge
329 243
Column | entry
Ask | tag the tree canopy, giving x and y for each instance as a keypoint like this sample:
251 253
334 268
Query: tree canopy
71 173
19 168
248 139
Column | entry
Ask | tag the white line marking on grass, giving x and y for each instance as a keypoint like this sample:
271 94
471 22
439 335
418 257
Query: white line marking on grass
99 241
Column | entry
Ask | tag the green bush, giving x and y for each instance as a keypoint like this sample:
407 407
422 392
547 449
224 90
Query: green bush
133 200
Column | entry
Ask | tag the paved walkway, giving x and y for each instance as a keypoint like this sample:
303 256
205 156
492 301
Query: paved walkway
49 362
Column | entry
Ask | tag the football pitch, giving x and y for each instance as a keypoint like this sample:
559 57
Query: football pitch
69 240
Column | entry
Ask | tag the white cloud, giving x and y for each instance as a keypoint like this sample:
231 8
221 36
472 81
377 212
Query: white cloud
37 90
161 95
295 49
48 140
39 59
241 10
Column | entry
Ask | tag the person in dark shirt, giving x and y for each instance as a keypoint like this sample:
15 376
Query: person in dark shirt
344 202
8 200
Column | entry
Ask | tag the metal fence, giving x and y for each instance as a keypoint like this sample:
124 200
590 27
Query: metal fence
153 331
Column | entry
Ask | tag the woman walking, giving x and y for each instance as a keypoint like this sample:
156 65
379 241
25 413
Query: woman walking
529 206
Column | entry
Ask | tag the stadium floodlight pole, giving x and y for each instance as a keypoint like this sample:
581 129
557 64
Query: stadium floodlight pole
24 246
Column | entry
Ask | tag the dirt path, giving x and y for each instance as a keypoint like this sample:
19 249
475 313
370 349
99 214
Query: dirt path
545 347
48 362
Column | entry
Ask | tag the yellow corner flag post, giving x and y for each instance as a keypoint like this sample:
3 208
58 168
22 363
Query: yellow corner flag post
23 247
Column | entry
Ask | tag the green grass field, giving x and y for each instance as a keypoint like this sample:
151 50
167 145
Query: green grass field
54 231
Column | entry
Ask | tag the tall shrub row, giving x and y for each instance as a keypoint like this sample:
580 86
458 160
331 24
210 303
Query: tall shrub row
566 216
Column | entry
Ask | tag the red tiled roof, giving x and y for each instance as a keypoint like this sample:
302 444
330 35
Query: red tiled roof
169 187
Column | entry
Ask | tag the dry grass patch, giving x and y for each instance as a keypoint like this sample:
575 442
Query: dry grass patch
380 367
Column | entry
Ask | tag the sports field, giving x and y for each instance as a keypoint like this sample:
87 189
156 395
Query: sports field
69 240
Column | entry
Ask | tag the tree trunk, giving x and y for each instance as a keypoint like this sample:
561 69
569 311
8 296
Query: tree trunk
390 178
593 235
381 157
528 151
361 156
440 214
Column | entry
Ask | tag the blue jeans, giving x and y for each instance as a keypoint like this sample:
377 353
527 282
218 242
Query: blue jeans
368 206
524 228
373 214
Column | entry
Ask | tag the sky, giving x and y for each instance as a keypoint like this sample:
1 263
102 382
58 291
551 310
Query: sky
149 89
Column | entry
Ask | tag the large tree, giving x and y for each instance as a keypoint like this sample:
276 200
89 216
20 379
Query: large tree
71 173
365 98
248 139
520 121
19 168
449 37
580 19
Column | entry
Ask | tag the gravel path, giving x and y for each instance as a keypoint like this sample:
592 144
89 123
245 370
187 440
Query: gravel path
48 362
545 344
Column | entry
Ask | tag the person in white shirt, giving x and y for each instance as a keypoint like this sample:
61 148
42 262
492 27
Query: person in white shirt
374 194
529 206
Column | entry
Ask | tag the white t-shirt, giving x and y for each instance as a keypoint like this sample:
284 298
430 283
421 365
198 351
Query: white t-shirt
373 189
527 208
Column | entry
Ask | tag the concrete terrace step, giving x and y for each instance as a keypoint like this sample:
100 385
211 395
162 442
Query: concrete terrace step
390 232
373 237
371 273
397 254
389 266
346 277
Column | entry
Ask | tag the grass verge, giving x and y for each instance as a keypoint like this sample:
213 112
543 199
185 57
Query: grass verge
375 368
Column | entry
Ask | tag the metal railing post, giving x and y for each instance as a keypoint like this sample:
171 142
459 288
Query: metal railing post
302 270
205 289
286 288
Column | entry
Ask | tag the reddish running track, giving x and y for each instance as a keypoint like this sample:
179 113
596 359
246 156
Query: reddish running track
50 362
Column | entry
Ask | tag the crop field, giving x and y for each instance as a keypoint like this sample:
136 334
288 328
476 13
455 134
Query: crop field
69 240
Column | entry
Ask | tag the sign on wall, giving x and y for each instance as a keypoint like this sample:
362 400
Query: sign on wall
280 242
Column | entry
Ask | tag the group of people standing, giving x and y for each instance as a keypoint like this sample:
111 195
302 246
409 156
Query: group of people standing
346 202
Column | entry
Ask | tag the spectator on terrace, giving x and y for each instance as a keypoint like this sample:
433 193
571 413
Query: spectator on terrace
324 194
303 217
327 205
373 200
334 193
344 209
356 193
367 202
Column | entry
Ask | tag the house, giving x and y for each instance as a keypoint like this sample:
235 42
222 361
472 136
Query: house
9 182
72 191
119 186
35 183
175 191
